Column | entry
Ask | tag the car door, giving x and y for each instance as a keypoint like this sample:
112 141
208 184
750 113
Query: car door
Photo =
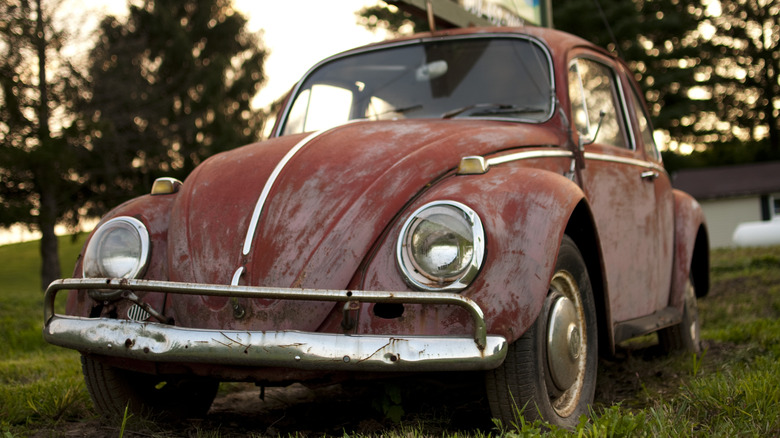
620 184
654 175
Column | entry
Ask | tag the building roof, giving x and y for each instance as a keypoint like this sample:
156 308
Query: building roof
729 181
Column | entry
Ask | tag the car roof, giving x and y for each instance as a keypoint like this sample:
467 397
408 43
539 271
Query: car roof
553 38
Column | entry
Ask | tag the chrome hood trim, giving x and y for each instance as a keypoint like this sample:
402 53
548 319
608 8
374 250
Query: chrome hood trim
250 235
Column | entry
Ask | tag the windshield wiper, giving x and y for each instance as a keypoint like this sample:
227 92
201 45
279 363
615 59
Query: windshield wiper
490 109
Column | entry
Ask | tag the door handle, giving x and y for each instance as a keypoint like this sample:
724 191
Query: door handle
650 175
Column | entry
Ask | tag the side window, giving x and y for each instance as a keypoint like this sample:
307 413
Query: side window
593 92
321 107
645 129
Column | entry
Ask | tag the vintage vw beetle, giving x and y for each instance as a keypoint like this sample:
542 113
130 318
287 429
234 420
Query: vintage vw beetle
486 200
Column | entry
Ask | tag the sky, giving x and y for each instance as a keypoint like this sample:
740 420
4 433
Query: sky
297 34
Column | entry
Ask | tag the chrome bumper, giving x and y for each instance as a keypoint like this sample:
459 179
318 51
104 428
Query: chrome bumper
291 349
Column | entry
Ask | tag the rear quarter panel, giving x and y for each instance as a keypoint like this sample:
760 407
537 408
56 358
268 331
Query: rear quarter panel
691 252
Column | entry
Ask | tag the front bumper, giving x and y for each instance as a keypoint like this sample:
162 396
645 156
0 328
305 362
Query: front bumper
159 342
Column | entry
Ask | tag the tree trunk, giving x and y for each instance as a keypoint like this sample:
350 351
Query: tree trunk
50 258
45 170
771 119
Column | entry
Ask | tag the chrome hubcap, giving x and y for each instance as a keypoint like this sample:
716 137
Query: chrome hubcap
563 343
566 343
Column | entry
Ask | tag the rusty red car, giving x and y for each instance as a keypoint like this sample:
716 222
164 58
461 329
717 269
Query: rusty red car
487 200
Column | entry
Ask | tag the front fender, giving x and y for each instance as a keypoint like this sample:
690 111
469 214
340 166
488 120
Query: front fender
154 212
691 252
524 212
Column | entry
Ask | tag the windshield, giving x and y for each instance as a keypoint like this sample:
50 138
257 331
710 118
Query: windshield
498 77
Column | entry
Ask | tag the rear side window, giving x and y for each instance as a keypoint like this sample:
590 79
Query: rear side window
645 128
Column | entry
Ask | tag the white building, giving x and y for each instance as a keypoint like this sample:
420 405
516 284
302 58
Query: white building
731 195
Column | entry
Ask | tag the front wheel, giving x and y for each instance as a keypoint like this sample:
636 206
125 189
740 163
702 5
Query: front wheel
113 389
550 372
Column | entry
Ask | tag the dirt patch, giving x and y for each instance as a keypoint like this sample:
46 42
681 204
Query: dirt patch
639 377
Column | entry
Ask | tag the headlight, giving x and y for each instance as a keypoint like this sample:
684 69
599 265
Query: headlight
118 249
441 246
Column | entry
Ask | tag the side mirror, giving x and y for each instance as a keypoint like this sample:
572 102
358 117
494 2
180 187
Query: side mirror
584 140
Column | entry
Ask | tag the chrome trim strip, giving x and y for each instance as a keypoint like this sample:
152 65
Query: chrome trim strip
311 351
568 154
529 154
616 159
237 276
250 235
401 297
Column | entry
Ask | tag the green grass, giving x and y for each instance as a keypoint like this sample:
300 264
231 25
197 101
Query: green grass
731 389
39 383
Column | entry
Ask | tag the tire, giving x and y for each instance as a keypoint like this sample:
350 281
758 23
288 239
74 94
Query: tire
529 382
685 336
113 389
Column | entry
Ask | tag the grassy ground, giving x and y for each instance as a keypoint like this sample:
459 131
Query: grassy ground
732 389
39 383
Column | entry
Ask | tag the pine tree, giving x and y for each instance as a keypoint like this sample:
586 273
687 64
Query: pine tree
41 140
742 74
172 85
659 41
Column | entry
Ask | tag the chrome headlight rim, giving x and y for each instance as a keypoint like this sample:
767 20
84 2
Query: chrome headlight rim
412 271
99 248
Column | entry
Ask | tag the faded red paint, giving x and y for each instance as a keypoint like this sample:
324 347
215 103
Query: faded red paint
154 212
350 192
335 212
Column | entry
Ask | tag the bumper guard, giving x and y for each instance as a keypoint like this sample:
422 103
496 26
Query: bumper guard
158 342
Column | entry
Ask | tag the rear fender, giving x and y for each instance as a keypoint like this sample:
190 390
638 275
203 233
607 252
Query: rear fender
524 212
691 253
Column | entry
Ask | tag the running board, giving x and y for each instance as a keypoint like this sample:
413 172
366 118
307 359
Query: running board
647 324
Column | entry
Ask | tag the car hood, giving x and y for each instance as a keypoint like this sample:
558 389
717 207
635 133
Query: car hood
328 204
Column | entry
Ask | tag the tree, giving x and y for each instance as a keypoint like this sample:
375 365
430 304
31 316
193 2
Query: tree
742 77
659 40
709 69
40 139
389 17
171 85
655 37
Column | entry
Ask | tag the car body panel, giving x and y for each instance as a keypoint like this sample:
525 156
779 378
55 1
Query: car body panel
639 229
264 225
351 193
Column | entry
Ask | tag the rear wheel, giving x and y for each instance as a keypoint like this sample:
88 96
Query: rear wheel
113 389
550 372
684 336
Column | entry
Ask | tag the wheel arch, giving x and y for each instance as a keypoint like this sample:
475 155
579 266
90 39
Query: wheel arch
691 249
524 211
700 264
582 230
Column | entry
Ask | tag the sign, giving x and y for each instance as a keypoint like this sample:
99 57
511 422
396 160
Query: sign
505 12
468 13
